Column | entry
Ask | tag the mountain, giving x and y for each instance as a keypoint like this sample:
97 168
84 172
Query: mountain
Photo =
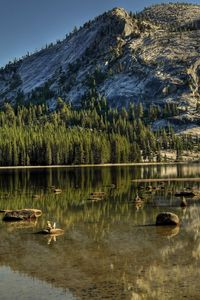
149 57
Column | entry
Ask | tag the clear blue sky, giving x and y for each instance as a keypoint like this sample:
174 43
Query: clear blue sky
26 25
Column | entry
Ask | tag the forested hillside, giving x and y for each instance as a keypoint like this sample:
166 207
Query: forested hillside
92 134
124 87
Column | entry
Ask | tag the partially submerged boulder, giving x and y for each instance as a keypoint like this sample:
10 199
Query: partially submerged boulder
167 219
21 215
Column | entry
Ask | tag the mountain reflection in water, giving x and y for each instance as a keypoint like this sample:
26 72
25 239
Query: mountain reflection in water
105 252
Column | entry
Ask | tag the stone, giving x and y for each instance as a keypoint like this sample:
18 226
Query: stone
167 218
21 215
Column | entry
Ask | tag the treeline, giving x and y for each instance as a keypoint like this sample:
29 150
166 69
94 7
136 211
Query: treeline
92 134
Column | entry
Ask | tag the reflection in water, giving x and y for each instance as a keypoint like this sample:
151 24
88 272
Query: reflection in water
103 254
170 231
51 238
13 226
30 289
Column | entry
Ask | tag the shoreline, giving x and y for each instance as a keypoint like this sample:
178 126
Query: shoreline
189 179
100 165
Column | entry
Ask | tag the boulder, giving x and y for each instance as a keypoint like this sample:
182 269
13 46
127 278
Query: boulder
21 215
167 218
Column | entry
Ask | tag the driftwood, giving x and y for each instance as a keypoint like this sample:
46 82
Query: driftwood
21 215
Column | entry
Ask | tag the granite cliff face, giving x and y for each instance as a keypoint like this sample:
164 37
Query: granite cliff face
152 57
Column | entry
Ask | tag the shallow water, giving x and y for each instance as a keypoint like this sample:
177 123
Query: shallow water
105 252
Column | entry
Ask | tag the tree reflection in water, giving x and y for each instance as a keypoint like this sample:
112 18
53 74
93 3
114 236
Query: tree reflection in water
105 251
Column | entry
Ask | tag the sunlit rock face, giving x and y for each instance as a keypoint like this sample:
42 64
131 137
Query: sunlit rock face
151 57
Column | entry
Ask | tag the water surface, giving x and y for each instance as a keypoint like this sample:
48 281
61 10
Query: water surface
105 252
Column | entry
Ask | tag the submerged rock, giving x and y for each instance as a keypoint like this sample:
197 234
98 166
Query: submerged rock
167 218
21 215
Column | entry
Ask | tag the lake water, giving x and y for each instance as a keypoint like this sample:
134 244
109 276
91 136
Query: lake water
105 252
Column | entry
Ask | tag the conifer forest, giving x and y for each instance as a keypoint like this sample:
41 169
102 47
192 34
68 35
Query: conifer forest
92 133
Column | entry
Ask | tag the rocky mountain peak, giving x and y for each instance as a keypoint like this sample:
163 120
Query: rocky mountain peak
120 21
119 11
151 57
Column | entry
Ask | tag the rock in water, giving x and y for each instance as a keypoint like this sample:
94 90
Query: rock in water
167 218
21 215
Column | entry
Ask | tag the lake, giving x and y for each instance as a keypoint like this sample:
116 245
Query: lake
106 252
